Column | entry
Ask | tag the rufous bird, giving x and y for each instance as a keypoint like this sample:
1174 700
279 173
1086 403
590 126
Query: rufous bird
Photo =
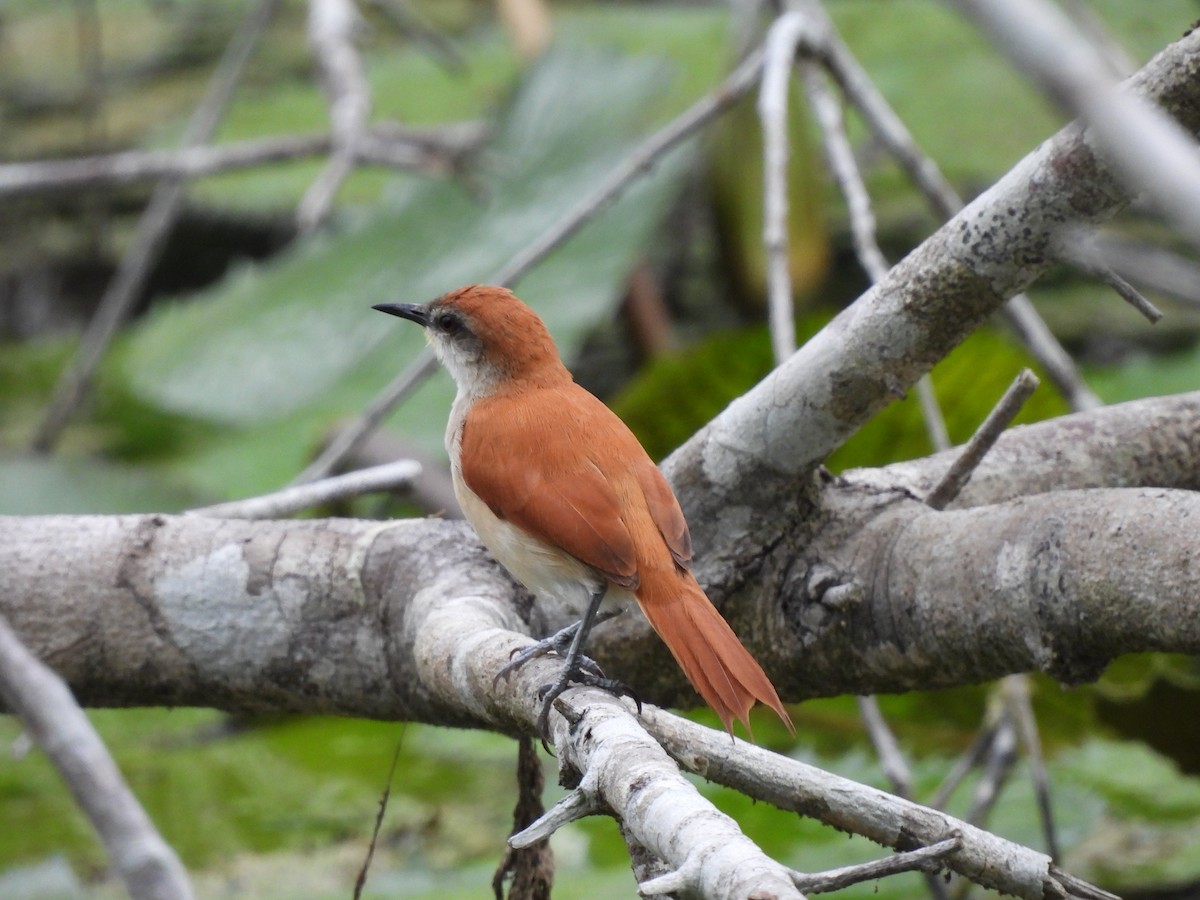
564 496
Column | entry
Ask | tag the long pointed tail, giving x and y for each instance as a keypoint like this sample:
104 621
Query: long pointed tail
720 669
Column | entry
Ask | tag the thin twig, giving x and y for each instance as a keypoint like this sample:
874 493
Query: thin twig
332 25
840 155
982 440
962 767
1015 690
350 438
531 868
931 413
926 859
1039 340
737 83
887 748
290 500
153 229
361 881
409 21
882 817
1002 756
780 52
1082 253
145 862
436 150
640 161
1120 63
1157 268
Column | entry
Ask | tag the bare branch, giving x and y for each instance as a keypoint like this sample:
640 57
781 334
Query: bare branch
437 150
388 477
887 748
884 818
782 41
978 751
349 439
408 20
926 305
997 770
146 863
1156 268
1015 690
675 132
927 859
1081 252
1151 151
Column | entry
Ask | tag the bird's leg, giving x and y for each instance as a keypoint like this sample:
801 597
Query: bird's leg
578 669
560 642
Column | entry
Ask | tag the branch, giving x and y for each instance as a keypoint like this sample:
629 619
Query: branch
437 150
970 456
249 616
626 771
1143 443
410 620
891 132
1060 583
1151 152
387 477
873 351
332 25
886 819
145 862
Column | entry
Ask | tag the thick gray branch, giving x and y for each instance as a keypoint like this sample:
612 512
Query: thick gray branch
1061 583
372 619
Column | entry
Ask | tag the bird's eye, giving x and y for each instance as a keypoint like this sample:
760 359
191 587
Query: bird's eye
447 323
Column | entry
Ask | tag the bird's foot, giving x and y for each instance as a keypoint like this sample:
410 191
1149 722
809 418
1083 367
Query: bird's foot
558 643
584 676
578 669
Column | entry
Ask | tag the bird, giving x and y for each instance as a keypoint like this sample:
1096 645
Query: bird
565 497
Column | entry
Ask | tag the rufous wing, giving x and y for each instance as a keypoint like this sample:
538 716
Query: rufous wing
664 509
531 465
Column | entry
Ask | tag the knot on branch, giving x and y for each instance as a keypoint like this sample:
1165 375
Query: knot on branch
817 597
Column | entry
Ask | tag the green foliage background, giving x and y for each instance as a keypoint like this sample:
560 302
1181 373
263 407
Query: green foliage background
226 392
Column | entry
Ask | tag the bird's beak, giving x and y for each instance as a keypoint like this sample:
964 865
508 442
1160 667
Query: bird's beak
411 311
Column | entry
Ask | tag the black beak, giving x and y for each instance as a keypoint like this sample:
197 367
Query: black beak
411 311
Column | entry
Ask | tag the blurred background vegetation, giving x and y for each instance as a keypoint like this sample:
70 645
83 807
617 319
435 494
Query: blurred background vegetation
252 344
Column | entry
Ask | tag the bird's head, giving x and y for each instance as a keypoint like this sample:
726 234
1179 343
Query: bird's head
485 337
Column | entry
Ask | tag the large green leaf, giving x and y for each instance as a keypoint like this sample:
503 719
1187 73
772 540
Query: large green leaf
272 338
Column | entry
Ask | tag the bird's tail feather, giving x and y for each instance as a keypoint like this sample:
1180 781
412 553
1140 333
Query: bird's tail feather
720 669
